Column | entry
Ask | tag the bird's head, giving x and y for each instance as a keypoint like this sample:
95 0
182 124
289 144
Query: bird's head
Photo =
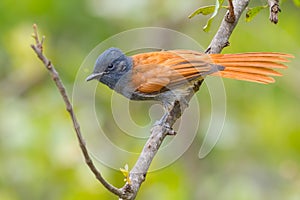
110 66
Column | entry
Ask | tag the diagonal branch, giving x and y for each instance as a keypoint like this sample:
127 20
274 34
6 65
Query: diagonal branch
38 49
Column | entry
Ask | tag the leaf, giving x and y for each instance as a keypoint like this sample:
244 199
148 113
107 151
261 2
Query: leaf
252 12
219 3
205 10
125 172
297 2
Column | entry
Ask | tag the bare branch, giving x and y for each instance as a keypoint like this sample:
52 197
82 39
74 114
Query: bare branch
221 38
274 10
38 49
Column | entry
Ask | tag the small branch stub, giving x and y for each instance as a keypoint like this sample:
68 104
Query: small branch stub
274 10
230 16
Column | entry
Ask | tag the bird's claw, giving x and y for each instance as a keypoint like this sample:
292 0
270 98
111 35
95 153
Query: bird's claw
167 128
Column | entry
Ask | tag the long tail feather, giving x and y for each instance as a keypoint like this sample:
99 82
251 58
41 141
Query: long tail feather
254 67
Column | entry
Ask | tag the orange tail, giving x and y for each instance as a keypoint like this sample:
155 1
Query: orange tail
255 67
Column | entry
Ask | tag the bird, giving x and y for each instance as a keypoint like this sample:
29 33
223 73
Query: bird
168 76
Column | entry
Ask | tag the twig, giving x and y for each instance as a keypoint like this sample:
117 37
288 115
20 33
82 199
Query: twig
38 49
221 38
274 10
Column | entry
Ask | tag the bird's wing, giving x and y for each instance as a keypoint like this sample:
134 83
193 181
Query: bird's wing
157 70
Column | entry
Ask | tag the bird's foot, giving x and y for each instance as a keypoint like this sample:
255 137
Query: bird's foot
184 103
167 128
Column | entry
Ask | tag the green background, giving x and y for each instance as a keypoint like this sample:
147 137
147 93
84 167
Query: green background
257 156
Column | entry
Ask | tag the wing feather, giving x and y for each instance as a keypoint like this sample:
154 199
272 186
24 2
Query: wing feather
157 70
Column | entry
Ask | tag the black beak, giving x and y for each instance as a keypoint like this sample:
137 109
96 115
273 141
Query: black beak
94 76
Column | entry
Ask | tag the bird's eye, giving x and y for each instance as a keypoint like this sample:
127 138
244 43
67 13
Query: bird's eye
110 66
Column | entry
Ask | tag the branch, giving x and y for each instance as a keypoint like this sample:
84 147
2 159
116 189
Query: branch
38 49
274 10
221 38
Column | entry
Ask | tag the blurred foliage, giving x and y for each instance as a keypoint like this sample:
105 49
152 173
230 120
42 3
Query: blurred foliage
297 2
256 157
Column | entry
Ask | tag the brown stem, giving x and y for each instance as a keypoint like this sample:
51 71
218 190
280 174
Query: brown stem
230 17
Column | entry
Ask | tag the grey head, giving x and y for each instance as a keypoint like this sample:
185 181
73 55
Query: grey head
110 66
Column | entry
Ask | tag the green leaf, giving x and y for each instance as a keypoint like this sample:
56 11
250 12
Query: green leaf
252 12
219 3
205 10
297 2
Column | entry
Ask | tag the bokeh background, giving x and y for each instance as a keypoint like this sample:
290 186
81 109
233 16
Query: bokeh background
257 156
